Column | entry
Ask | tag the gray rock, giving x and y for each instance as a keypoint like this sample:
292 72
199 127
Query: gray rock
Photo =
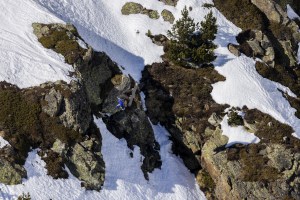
131 8
87 164
11 173
288 50
214 119
255 46
234 50
168 16
54 100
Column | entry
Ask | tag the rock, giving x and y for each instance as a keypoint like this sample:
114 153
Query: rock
123 88
168 16
87 164
131 8
54 100
214 119
70 104
153 14
288 50
169 2
134 126
58 147
11 173
234 50
255 46
272 10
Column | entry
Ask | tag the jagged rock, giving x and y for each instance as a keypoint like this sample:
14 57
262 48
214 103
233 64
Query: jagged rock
11 173
214 119
234 49
273 11
133 125
288 50
58 147
123 88
69 103
131 8
255 46
87 164
168 16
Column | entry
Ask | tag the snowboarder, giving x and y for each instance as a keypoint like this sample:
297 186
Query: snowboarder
121 104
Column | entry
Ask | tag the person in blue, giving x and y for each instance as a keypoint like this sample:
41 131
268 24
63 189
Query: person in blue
121 104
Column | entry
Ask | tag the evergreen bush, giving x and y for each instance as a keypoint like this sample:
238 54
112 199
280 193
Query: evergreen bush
191 44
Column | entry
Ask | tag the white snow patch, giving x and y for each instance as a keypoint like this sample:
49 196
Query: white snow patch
237 134
3 142
291 13
23 60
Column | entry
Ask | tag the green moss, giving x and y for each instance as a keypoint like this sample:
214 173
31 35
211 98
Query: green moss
234 119
50 41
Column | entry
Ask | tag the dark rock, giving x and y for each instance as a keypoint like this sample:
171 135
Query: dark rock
169 2
133 125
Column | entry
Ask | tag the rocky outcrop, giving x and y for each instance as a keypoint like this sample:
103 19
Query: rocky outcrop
267 170
255 43
99 84
136 8
68 102
179 99
131 123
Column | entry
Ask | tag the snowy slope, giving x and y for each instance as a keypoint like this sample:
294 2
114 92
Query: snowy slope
23 60
124 178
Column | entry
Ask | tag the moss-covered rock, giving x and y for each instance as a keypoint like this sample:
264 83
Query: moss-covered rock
168 16
131 8
136 8
10 173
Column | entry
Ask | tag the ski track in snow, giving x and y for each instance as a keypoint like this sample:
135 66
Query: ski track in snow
23 60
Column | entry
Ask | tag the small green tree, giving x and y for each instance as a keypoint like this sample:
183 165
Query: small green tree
190 43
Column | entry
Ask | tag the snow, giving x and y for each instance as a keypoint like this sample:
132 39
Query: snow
124 178
291 13
23 60
3 142
237 134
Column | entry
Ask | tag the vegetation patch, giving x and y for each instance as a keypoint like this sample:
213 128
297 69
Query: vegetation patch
64 42
234 119
254 165
242 13
192 45
54 164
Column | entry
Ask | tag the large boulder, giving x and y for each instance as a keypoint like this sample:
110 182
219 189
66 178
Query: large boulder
167 16
86 163
69 103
